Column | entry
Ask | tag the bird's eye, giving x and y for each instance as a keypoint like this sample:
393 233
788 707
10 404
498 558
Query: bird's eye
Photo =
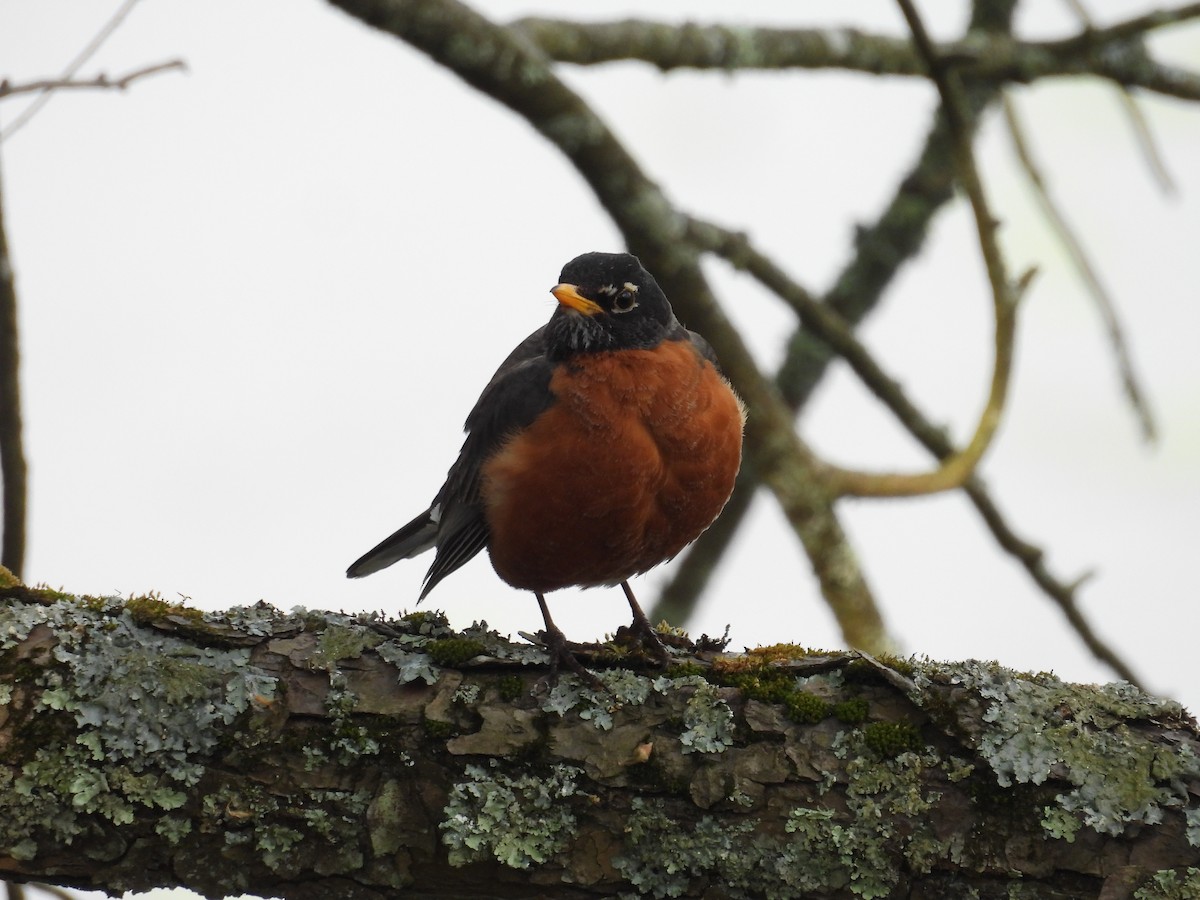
624 301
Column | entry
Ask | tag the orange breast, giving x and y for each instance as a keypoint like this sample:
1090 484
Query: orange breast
636 457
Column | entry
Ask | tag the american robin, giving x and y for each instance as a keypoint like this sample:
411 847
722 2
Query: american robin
605 443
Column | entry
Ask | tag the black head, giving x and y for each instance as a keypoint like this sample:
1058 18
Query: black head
607 301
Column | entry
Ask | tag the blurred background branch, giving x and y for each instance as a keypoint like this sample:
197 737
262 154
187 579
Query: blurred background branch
1115 53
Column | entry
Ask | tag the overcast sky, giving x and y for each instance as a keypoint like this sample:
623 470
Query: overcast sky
258 299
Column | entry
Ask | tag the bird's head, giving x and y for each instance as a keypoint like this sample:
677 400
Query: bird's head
607 301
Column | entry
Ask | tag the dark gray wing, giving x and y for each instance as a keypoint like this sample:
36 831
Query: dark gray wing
455 523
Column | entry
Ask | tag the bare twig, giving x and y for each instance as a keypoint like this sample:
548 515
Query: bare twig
1137 119
1091 278
72 68
1137 26
102 81
12 453
1155 161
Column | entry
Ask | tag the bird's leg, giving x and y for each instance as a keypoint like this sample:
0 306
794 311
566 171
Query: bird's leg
556 644
642 627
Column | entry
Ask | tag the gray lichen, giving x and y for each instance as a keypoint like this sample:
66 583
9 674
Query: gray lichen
146 707
318 744
1037 728
520 820
708 720
1169 884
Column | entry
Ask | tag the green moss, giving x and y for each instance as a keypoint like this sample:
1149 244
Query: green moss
92 604
438 729
863 672
890 739
687 669
806 708
757 675
853 711
904 666
431 623
152 607
452 652
8 579
510 687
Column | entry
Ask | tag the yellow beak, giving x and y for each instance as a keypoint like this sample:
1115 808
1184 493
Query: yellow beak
568 295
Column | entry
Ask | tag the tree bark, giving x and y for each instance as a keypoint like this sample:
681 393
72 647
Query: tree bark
315 754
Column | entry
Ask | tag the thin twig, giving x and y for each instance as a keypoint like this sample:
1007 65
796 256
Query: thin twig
1083 265
1155 161
72 68
1137 26
101 81
1137 119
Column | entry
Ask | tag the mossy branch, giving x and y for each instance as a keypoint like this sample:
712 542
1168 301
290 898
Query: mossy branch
315 754
1116 53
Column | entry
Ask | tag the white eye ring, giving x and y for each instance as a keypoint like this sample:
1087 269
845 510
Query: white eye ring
624 301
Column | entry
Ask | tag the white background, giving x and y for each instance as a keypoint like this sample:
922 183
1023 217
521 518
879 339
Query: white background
257 301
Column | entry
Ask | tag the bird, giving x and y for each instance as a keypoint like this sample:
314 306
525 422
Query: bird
606 442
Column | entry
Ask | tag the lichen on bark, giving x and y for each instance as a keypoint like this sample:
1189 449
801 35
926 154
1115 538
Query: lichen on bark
298 754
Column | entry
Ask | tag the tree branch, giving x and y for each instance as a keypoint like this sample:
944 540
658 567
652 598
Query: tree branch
13 471
1113 53
311 754
101 81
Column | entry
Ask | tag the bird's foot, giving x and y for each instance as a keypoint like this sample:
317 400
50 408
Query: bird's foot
559 649
647 635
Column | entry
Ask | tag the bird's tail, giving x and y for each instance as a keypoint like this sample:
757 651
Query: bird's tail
414 538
